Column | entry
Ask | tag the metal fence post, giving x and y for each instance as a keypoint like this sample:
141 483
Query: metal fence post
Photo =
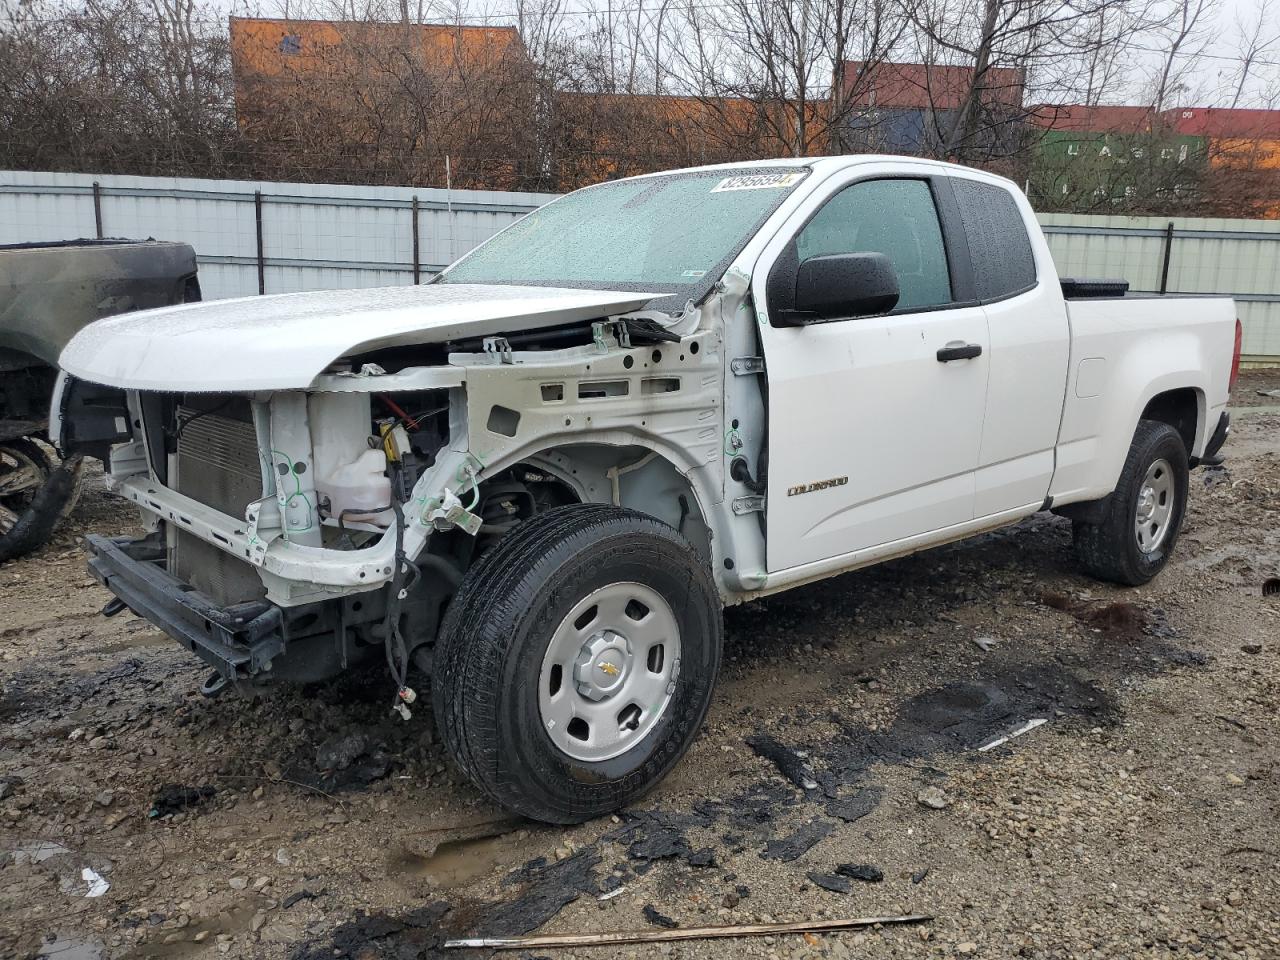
417 260
1168 253
262 266
97 207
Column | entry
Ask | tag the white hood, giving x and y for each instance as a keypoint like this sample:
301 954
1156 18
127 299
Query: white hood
284 341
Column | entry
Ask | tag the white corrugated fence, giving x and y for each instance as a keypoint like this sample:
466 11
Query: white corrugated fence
265 237
1238 258
281 237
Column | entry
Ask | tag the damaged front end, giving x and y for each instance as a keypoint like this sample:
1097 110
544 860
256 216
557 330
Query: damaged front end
275 519
295 532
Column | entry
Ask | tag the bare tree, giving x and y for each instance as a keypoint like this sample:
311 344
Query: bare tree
1056 46
1260 37
777 70
116 85
1183 38
392 91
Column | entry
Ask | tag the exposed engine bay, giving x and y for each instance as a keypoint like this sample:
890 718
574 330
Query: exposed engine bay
344 471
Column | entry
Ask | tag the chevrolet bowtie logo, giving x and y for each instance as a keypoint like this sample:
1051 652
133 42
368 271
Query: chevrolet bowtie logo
608 668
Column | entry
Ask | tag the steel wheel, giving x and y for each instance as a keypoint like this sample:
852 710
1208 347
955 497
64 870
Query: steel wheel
531 642
1155 506
1127 537
609 672
22 474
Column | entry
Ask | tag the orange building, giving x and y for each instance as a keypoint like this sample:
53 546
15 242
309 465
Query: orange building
1237 138
356 97
267 48
1244 155
599 136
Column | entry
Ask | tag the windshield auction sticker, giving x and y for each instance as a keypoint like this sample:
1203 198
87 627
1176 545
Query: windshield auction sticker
758 181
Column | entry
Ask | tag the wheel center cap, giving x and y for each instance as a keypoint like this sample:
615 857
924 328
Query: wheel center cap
1146 504
602 665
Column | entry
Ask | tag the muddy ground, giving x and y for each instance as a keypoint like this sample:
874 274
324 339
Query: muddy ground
1141 819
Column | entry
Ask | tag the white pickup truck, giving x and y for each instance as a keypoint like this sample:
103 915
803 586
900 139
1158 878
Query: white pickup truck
538 478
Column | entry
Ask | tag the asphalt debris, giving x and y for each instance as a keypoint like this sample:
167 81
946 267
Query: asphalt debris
176 798
854 807
651 915
797 843
829 881
704 857
860 871
548 887
653 835
792 764
415 934
303 893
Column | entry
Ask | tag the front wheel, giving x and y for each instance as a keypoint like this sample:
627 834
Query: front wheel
1140 524
576 663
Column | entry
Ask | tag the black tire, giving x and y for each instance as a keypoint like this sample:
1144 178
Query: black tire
33 511
491 647
1109 549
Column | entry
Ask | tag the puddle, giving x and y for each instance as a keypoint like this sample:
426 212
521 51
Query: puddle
68 948
149 638
233 921
37 851
459 860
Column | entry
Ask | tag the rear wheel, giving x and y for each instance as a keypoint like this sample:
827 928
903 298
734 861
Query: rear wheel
1139 525
576 663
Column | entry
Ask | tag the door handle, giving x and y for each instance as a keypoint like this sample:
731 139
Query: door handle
959 350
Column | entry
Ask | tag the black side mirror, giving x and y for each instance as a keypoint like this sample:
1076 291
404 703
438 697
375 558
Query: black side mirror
845 285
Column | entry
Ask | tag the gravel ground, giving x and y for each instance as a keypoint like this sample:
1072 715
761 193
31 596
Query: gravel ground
1142 818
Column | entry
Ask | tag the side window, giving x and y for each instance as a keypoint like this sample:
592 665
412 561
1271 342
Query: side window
894 217
999 247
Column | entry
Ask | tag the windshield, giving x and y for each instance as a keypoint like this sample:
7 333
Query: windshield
673 234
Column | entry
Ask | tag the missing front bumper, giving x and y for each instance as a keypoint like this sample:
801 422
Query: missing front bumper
238 641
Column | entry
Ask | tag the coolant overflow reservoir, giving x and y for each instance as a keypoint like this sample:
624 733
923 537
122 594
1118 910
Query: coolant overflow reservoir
359 489
348 474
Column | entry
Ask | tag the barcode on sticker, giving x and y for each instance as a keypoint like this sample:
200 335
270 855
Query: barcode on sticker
757 181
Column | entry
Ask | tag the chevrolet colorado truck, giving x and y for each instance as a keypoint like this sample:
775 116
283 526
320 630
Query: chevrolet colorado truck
539 478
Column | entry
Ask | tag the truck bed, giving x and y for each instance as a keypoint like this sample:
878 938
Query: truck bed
1124 351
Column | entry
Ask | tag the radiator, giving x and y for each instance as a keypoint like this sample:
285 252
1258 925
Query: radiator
217 465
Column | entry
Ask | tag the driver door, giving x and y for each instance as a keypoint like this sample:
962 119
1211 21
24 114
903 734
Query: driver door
874 435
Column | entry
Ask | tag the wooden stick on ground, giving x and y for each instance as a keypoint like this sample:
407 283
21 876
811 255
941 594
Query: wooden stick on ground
686 933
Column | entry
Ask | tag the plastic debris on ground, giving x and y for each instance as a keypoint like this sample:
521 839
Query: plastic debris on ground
96 884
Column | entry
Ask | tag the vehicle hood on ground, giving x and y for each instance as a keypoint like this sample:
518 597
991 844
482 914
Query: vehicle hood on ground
284 341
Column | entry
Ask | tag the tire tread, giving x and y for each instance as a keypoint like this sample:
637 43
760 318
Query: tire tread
477 633
1105 550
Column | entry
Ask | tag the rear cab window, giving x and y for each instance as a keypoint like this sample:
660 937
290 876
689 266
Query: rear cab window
999 248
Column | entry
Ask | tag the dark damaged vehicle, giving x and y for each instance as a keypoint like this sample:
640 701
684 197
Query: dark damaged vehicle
539 478
48 292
